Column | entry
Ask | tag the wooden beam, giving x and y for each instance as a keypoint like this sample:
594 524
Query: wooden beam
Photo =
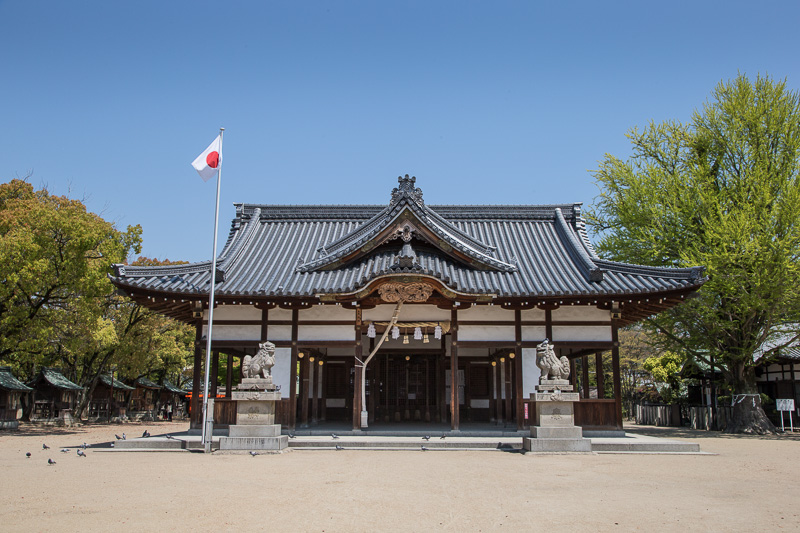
518 368
454 411
359 369
293 374
616 375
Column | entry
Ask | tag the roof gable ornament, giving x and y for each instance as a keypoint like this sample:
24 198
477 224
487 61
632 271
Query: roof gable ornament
406 189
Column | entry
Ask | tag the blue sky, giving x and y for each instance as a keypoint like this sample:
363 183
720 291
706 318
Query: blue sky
328 102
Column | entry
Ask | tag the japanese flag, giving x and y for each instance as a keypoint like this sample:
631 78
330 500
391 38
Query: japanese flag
207 163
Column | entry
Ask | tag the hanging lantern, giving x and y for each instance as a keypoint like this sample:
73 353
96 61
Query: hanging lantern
371 330
395 332
417 333
437 332
425 339
405 339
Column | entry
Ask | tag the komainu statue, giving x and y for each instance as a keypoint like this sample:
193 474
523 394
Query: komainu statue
260 365
552 367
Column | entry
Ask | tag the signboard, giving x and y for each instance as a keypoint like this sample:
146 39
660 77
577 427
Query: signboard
526 410
785 404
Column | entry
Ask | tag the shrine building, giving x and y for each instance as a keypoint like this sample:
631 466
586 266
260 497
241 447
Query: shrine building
466 293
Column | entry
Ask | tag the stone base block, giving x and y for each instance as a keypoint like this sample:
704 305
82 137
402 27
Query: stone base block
572 432
579 445
254 443
272 430
553 397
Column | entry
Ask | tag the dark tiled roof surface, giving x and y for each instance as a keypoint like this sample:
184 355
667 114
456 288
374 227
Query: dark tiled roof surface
172 388
106 380
146 383
272 251
9 383
57 379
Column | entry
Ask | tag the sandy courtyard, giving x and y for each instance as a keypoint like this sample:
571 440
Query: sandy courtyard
752 484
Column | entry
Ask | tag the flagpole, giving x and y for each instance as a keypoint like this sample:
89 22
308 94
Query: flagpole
206 436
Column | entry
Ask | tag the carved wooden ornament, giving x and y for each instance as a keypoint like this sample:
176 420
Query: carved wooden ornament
405 292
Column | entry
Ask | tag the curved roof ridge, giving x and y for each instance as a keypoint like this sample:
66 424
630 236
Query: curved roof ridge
689 273
590 268
233 248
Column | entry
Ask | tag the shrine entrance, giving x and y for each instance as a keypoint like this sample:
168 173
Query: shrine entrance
406 386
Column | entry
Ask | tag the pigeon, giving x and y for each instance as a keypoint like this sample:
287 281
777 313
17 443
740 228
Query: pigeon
117 436
81 454
145 434
443 436
28 455
427 437
423 448
64 450
291 435
253 453
45 447
339 447
51 462
123 436
84 445
334 436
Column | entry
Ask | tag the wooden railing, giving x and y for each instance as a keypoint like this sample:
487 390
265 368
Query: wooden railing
594 413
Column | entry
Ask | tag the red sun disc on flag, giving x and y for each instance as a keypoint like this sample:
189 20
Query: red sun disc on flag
213 159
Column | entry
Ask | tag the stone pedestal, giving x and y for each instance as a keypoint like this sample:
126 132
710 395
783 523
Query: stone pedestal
255 427
555 429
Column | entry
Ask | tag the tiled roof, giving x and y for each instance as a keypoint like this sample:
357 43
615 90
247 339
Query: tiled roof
147 384
511 251
106 380
9 383
57 379
172 388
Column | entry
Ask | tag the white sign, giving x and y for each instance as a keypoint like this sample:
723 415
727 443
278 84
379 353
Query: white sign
786 404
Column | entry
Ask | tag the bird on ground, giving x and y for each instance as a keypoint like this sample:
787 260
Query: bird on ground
253 453
339 447
51 462
443 436
28 455
291 435
145 434
45 447
84 445
427 437
81 454
117 436
334 436
423 448
123 436
64 450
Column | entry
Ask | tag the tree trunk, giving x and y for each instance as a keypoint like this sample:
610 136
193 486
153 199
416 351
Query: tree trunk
748 415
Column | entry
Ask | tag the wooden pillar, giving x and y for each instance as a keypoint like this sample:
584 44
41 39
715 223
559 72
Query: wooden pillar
293 372
467 395
314 381
197 415
507 379
585 375
306 373
454 411
601 379
229 376
358 373
374 379
498 387
441 373
616 376
212 385
573 377
264 323
518 368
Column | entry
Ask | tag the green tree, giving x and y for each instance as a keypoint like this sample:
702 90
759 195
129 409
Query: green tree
722 192
635 346
54 257
666 368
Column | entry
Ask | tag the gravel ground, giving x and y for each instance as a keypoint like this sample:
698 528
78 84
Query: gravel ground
750 484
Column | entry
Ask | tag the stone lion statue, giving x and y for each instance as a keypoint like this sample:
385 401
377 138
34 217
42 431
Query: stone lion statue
260 365
552 367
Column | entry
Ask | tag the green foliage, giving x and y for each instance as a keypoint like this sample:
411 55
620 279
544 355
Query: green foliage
722 191
57 305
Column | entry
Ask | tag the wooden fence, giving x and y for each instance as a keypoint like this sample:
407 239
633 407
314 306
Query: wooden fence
693 416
